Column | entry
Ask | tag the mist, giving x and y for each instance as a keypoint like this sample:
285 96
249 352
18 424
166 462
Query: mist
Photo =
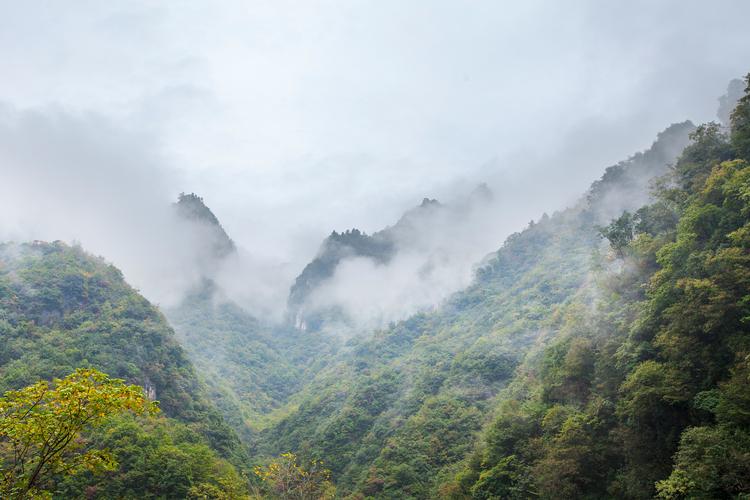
293 120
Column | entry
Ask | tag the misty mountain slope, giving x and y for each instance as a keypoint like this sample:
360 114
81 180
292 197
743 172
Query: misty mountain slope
441 368
335 248
191 208
400 409
422 234
61 308
646 393
251 367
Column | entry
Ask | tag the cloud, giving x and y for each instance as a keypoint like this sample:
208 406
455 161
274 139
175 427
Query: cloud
295 119
83 178
435 250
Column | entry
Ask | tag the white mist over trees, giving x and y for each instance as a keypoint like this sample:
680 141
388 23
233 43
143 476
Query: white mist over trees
220 204
292 123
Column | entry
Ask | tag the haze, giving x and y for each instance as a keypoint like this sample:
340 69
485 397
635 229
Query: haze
292 119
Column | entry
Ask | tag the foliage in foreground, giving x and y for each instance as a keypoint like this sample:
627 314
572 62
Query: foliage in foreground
88 435
285 479
62 309
157 458
41 426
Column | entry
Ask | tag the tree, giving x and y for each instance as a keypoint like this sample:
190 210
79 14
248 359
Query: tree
507 479
740 134
619 232
41 425
709 147
285 479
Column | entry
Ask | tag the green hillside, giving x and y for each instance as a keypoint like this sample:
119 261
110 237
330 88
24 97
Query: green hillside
251 367
601 352
399 412
645 392
62 309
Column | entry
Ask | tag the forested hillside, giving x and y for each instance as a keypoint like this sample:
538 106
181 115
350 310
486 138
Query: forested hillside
399 412
252 367
645 392
62 309
601 352
375 250
571 368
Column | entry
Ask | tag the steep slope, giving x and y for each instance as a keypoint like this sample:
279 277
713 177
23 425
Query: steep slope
395 415
422 231
336 248
646 392
61 309
191 208
251 367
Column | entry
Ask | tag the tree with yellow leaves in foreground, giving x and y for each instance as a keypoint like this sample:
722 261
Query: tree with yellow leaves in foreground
41 425
285 479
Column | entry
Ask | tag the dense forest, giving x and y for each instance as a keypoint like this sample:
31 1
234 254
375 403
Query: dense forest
62 309
601 352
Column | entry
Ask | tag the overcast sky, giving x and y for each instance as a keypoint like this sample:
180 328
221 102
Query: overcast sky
295 118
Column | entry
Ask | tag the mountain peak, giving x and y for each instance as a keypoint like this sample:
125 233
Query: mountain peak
427 202
482 193
191 208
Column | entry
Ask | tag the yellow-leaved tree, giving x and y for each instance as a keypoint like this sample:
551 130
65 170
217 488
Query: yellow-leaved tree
41 425
285 479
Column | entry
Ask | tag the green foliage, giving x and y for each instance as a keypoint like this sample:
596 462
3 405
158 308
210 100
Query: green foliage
708 148
620 232
41 426
647 391
740 121
399 414
712 462
561 372
506 480
398 411
61 309
156 458
251 368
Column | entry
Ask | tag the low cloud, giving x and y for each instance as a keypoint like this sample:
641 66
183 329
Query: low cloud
82 178
292 122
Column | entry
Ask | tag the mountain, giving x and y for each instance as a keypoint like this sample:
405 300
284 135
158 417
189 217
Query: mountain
601 352
251 366
254 367
423 231
570 368
336 248
645 391
396 413
298 389
63 309
192 209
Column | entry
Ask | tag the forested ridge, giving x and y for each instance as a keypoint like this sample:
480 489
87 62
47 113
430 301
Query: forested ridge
399 412
62 309
644 392
601 352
